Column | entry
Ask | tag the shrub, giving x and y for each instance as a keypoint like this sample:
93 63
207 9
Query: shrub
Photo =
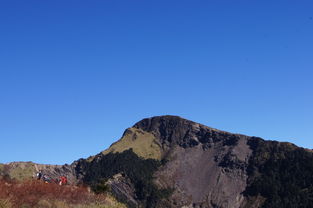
38 194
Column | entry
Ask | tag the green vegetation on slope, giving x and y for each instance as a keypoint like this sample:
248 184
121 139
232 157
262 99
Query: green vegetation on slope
144 144
18 170
282 173
22 171
140 172
1 168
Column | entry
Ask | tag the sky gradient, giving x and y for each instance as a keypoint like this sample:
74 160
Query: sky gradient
75 74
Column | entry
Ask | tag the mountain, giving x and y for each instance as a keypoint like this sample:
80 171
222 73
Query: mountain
168 161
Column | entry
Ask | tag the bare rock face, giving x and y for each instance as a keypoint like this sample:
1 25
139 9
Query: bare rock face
214 177
173 130
123 189
205 167
55 171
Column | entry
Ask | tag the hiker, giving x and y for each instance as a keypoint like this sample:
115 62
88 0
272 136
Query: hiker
46 178
63 180
39 175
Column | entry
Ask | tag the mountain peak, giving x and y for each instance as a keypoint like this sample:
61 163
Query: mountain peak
173 130
152 122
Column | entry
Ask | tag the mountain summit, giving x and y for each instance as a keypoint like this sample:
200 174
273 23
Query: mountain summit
174 130
168 161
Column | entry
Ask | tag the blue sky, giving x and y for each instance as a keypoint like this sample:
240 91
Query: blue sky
75 74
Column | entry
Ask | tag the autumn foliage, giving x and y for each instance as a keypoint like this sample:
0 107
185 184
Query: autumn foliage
31 193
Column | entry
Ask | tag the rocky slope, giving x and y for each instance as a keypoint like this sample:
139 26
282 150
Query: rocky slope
28 170
168 161
206 167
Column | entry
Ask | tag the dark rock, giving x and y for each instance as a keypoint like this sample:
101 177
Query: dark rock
173 130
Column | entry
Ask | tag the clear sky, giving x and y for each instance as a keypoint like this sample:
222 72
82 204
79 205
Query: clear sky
75 74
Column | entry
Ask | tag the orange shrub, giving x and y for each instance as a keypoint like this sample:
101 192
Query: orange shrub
31 192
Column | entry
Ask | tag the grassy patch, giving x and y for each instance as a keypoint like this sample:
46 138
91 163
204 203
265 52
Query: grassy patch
1 170
5 203
22 171
144 144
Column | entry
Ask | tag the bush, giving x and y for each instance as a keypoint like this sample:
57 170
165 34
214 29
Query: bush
36 193
101 188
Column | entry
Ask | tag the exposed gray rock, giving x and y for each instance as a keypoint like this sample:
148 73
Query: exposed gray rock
55 171
123 189
206 167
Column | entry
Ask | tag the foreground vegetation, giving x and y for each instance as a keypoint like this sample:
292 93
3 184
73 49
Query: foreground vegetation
32 193
137 170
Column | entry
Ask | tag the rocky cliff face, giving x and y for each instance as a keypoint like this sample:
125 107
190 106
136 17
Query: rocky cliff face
202 166
168 161
206 167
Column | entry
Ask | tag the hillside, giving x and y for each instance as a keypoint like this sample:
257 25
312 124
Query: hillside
168 161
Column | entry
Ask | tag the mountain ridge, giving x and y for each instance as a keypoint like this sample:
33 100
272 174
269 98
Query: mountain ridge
169 161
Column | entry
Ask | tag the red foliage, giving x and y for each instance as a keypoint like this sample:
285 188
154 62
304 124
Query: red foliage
31 192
